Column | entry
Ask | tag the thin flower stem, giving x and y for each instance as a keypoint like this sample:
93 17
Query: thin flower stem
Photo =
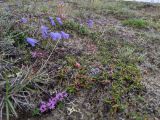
48 57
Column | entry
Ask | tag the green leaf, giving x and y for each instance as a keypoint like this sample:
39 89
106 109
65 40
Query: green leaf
7 111
12 108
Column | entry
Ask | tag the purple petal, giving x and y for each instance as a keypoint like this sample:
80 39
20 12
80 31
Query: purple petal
51 104
59 96
44 31
90 23
55 36
54 100
52 21
24 20
64 94
59 20
32 41
64 35
43 107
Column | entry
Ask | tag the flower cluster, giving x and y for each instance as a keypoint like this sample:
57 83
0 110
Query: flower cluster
58 36
58 20
53 35
52 102
44 31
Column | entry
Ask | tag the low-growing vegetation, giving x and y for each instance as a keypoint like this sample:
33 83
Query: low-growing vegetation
137 23
77 60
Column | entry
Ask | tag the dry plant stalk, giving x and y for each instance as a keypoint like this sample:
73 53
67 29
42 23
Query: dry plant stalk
63 10
60 10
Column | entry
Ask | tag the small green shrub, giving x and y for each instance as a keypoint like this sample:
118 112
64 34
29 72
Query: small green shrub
19 39
136 23
71 89
35 112
60 105
73 26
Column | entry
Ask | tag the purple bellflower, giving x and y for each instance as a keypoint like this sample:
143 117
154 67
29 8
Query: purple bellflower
24 20
64 35
90 23
59 20
32 41
55 36
52 21
44 31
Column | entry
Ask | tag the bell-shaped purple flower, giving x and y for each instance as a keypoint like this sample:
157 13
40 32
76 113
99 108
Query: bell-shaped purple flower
90 23
59 20
55 36
32 41
64 35
52 21
44 31
24 20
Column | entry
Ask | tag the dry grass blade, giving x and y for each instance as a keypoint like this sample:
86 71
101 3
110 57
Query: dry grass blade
63 10
60 10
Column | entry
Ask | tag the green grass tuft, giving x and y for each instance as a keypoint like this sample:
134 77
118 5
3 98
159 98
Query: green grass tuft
136 23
